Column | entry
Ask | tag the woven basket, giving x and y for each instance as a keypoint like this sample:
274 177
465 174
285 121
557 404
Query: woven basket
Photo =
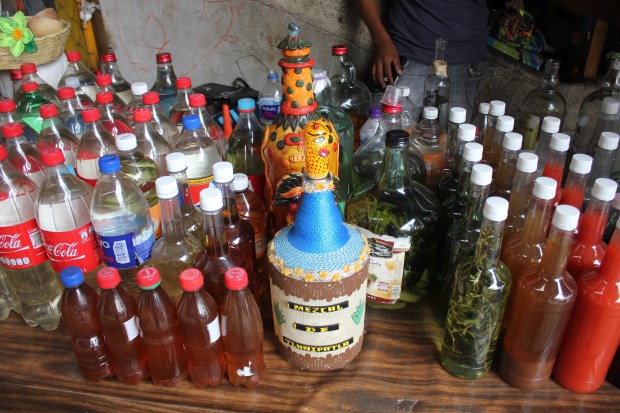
50 47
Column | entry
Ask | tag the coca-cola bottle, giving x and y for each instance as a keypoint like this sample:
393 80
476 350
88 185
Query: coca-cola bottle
109 66
71 111
23 156
161 123
104 84
55 135
96 142
165 81
113 121
181 104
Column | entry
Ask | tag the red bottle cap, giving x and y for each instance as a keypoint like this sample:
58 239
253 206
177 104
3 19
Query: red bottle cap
108 57
91 114
108 278
29 86
104 98
48 110
197 100
150 98
191 280
163 57
3 154
385 108
12 130
74 56
236 279
148 278
104 80
142 115
339 49
29 68
183 82
52 157
7 105
16 74
66 93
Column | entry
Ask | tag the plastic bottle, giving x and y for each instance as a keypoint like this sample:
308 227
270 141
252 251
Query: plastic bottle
160 329
480 121
95 143
556 158
614 213
181 103
165 81
497 108
269 99
108 66
8 114
371 125
113 121
71 111
137 90
503 125
28 107
160 122
210 128
29 72
604 157
449 182
192 219
457 117
410 113
23 156
507 166
22 252
78 306
17 79
118 313
61 210
199 320
607 122
87 81
120 214
430 139
550 125
55 135
104 84
81 96
520 192
242 331
8 299
150 143
574 189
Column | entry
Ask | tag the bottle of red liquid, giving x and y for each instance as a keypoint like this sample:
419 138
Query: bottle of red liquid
242 329
556 158
593 332
575 187
113 121
181 104
162 337
118 315
78 306
199 319
95 143
588 249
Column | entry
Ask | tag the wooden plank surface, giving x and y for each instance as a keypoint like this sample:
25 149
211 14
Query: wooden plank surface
398 370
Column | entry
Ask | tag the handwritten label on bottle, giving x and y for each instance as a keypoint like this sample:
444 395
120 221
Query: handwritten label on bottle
21 246
77 247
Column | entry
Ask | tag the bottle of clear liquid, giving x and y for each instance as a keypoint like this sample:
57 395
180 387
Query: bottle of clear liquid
87 81
120 214
71 111
497 108
574 190
17 78
507 167
550 125
199 321
371 125
410 113
604 158
113 121
150 143
192 219
55 135
607 121
95 143
503 125
104 84
242 331
457 117
78 306
181 102
545 100
29 72
22 252
165 81
8 299
8 114
138 89
522 186
429 138
118 313
82 97
437 84
108 66
61 211
480 121
23 156
160 122
449 182
177 249
210 128
28 107
269 99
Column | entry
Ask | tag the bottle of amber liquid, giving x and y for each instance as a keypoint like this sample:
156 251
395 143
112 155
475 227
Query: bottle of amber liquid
504 125
507 166
497 108
522 186
543 300
556 158
574 189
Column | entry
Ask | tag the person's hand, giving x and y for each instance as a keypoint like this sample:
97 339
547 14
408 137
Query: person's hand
385 62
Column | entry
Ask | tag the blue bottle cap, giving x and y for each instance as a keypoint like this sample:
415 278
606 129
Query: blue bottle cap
109 164
71 277
246 104
375 112
191 122
273 75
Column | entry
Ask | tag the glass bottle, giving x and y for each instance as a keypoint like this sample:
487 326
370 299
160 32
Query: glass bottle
542 301
574 189
478 300
437 84
161 123
550 125
71 111
209 127
23 156
192 219
95 143
545 100
165 81
29 72
497 108
28 107
480 121
87 81
385 213
138 89
604 158
17 78
8 114
181 102
507 165
457 117
109 66
449 182
150 143
522 186
113 121
503 125
55 135
177 249
429 138
104 84
556 159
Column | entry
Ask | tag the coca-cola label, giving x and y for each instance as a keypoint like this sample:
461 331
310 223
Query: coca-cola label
21 246
78 248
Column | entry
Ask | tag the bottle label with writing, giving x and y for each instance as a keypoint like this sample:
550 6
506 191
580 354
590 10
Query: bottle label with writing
127 250
21 246
529 127
73 248
197 185
268 109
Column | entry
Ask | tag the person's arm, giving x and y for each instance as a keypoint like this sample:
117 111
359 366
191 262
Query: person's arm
385 56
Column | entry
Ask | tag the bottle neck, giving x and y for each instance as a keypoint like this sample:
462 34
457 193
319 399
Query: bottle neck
440 64
464 176
394 173
230 212
50 127
603 163
537 220
612 77
93 130
478 195
550 81
489 244
216 244
166 77
509 157
172 220
523 180
557 250
610 267
59 169
247 120
594 221
390 121
68 106
337 69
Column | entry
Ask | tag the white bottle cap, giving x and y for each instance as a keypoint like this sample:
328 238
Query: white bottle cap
405 89
559 142
126 142
495 209
580 164
497 108
615 204
72 82
505 123
241 182
604 189
544 188
458 115
481 174
566 218
512 141
484 108
166 187
527 162
472 152
610 106
175 162
139 88
466 133
551 124
211 199
608 141
223 172
430 112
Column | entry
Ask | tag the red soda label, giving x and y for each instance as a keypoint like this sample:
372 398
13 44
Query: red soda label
197 185
78 247
21 246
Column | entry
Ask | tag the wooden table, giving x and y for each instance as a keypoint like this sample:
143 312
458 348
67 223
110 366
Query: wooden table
398 370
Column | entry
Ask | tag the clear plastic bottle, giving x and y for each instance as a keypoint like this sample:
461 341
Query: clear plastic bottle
96 142
118 313
17 78
78 306
192 219
269 99
22 252
87 81
429 138
607 120
120 214
480 121
165 81
104 84
371 125
604 158
574 190
113 121
160 122
108 66
522 186
556 159
410 113
28 107
457 117
497 108
81 96
181 103
550 125
137 90
210 128
503 125
71 111
507 166
449 181
8 299
55 135
242 331
29 72
23 156
150 143
8 114
437 84
199 320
